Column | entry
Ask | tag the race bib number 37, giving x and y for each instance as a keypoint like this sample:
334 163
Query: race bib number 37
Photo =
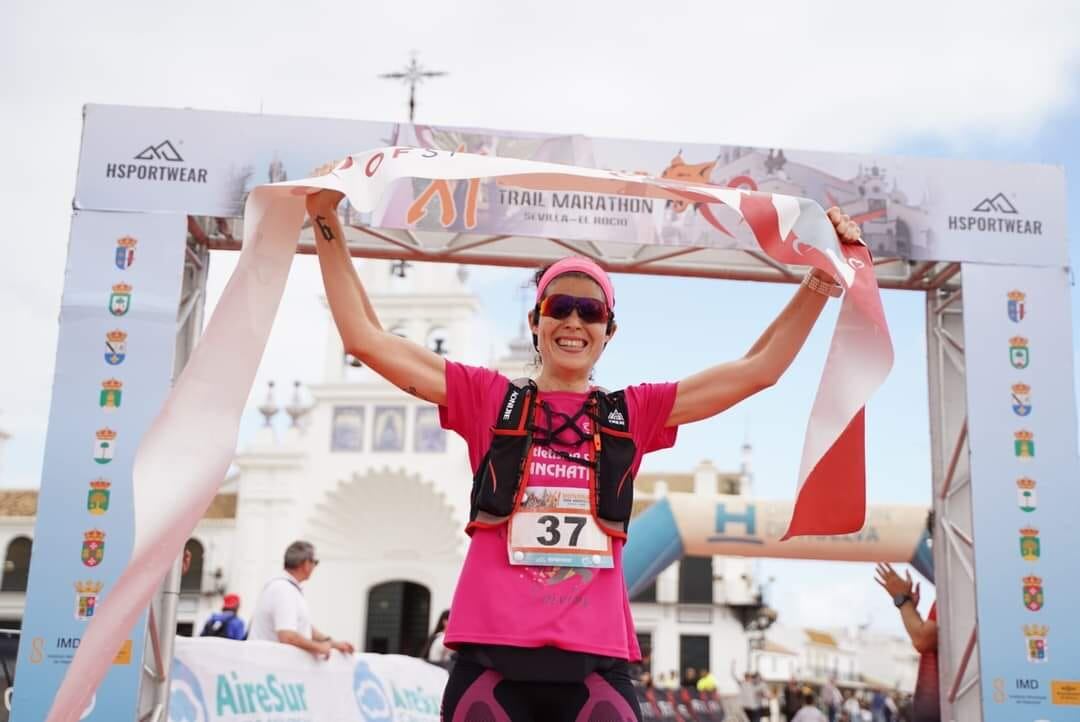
553 527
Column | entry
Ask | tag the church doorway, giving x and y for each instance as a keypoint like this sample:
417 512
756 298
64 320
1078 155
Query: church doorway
397 618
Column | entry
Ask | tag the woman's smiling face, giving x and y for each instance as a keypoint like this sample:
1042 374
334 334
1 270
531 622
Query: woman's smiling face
570 344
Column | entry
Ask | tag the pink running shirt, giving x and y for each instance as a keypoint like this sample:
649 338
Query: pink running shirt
527 606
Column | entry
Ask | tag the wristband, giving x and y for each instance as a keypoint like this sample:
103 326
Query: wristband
823 288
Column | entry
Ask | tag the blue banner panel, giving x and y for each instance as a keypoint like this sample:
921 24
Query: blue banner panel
114 366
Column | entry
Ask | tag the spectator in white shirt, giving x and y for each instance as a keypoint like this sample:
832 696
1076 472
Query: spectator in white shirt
748 695
831 698
853 708
281 612
809 711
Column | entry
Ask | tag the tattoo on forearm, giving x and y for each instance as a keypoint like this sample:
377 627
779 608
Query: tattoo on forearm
327 232
411 390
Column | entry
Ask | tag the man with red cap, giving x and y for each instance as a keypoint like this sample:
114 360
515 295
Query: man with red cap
226 623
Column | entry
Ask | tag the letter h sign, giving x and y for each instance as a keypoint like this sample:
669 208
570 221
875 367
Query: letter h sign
748 519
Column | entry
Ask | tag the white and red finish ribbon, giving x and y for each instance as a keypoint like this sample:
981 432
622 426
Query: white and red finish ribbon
185 454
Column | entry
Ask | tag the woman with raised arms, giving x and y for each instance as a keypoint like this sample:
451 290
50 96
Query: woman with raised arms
541 618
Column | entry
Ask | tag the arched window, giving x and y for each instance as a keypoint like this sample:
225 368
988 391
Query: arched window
191 582
16 565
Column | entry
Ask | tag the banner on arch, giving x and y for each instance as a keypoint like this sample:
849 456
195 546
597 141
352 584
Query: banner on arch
1024 470
114 367
206 162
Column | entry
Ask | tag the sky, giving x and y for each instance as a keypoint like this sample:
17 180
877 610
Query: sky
970 80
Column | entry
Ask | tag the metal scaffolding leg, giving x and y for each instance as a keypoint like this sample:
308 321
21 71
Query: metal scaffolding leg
958 654
154 686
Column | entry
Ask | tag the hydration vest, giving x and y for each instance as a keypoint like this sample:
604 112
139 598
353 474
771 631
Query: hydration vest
502 476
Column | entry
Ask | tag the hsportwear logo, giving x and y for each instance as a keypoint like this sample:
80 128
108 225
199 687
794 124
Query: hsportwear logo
163 151
997 214
157 162
996 204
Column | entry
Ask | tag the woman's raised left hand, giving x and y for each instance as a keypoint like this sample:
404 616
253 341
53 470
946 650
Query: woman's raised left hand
847 230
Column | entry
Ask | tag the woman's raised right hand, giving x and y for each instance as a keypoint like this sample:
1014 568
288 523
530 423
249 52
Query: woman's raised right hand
323 200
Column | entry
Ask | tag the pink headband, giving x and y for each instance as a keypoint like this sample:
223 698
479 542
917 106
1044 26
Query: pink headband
576 264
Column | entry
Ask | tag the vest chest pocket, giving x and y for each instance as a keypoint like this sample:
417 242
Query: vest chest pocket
615 483
496 485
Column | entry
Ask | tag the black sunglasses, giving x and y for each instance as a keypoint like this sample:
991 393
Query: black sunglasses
561 305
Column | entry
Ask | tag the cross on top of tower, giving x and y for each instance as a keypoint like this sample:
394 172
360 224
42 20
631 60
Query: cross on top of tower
413 75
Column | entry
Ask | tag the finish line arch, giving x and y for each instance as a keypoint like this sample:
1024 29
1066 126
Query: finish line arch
152 176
